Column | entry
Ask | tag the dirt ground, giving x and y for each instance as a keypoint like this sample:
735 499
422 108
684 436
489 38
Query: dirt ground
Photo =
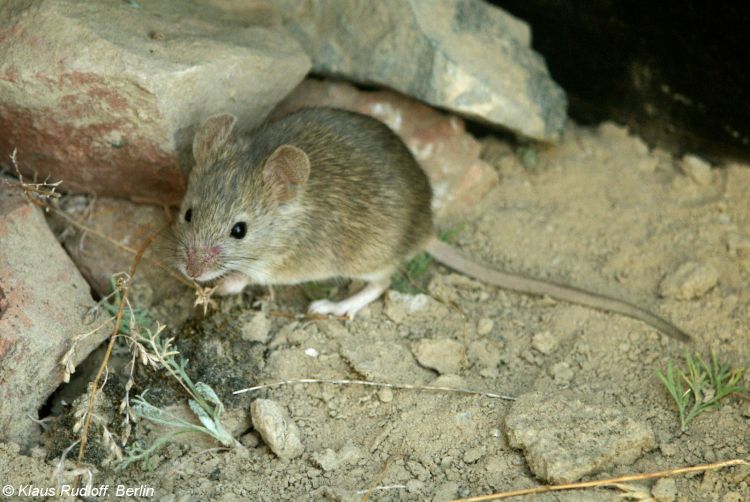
600 211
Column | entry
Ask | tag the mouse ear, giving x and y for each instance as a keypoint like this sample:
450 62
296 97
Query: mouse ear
286 170
211 137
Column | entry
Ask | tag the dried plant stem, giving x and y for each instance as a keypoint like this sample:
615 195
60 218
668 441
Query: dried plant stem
113 337
376 384
605 482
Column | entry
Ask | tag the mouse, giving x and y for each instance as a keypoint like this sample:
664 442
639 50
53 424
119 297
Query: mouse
326 193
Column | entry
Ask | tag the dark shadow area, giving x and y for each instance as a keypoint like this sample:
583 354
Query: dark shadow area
675 72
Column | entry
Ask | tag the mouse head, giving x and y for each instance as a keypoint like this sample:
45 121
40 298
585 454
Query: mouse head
239 203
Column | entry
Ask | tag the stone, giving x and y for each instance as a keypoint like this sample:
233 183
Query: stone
691 280
277 428
448 154
443 355
329 460
156 282
105 96
544 342
43 302
484 326
384 361
471 58
564 438
256 326
664 490
697 169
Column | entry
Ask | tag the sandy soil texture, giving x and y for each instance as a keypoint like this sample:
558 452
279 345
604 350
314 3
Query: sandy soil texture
601 211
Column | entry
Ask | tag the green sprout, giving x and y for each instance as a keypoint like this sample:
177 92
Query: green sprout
701 387
407 280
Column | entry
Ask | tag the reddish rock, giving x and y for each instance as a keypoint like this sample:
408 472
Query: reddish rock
448 154
105 95
129 225
43 299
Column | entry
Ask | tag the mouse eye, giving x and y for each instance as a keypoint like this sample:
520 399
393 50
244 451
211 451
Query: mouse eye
239 230
188 215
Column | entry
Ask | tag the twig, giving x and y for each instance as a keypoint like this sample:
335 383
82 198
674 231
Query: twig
604 482
376 384
113 337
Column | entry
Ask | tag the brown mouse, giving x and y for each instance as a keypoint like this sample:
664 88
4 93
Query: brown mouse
325 193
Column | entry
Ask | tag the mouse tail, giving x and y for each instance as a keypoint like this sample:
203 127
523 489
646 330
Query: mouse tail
452 258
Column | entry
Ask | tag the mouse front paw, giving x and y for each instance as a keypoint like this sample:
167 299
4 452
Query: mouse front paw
232 284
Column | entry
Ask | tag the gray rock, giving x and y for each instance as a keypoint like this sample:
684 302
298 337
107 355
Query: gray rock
106 95
43 301
463 55
276 428
564 439
691 280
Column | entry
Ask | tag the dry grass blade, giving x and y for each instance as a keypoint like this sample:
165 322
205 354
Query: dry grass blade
376 384
603 483
113 337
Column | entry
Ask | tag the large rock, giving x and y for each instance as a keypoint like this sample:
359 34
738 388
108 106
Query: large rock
43 300
564 438
106 95
448 154
466 56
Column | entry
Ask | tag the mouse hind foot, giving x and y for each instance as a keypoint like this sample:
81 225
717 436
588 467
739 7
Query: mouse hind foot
350 306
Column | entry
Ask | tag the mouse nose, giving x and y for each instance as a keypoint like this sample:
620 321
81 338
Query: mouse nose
197 259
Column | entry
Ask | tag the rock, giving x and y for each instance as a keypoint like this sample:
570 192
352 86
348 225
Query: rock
276 428
105 95
43 299
401 306
697 169
468 57
448 154
256 326
383 361
544 342
156 280
691 280
473 454
664 490
484 326
443 355
564 439
330 460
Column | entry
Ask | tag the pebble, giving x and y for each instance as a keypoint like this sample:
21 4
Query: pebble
277 428
664 490
473 454
329 460
256 328
443 355
484 326
697 169
691 280
544 342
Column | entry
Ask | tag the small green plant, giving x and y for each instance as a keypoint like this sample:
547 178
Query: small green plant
315 290
138 316
158 353
407 280
701 387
